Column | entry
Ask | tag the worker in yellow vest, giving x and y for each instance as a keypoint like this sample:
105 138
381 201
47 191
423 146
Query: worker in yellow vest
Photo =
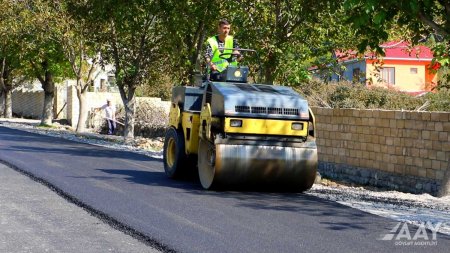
215 46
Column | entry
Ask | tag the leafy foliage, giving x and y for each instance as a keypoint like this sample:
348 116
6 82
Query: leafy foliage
349 95
41 53
154 43
289 35
418 21
187 25
439 101
131 35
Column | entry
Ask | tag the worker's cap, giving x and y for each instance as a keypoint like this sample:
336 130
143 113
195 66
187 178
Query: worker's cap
108 100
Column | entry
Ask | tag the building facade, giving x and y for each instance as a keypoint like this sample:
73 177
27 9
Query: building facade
403 67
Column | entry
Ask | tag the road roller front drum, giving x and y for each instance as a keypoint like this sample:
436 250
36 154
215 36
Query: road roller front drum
256 166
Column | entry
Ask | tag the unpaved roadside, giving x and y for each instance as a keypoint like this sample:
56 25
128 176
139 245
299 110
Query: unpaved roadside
33 218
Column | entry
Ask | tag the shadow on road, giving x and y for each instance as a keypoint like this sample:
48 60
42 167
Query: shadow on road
152 178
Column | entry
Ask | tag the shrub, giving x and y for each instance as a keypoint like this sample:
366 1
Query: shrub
151 118
349 95
439 101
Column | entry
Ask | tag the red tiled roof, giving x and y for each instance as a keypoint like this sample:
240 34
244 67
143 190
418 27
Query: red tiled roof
393 50
403 50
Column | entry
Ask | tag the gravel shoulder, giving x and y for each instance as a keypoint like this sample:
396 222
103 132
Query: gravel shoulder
404 207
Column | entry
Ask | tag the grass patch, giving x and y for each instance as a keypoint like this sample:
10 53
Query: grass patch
46 126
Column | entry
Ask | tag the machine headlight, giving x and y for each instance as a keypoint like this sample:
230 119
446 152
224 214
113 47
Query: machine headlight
235 123
297 126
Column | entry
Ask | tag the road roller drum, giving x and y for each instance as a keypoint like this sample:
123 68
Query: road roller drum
272 167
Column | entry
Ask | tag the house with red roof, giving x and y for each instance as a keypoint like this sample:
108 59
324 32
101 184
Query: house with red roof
405 68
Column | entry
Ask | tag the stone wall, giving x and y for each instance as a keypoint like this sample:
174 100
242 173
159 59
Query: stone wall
403 150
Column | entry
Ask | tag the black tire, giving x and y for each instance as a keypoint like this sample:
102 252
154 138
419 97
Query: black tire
174 155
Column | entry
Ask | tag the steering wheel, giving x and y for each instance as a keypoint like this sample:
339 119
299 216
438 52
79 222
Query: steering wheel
225 56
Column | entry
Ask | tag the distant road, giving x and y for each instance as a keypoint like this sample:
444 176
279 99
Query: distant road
131 192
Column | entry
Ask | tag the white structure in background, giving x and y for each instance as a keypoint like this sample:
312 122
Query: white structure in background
28 99
104 79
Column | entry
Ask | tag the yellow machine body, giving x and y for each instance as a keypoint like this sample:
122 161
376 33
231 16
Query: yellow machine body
249 148
267 127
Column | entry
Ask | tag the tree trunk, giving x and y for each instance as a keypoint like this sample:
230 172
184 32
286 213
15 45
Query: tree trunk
47 111
2 103
8 103
82 101
6 86
49 93
129 102
270 68
196 49
130 106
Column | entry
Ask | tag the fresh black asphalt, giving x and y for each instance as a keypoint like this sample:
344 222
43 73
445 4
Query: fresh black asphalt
130 191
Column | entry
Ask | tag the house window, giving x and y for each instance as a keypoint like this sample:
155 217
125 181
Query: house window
388 75
413 70
356 74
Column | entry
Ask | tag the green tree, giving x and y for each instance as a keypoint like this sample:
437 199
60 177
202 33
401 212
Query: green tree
132 37
418 19
9 55
79 49
187 25
41 53
288 32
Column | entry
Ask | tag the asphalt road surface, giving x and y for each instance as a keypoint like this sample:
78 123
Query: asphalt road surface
33 218
131 193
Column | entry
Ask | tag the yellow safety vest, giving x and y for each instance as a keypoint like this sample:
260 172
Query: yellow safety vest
221 63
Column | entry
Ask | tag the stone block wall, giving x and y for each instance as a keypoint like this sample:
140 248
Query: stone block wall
401 150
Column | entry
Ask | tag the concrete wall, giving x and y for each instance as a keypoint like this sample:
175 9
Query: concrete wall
403 150
28 104
94 100
98 99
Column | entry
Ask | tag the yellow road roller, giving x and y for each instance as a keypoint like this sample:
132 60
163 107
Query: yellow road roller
241 134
